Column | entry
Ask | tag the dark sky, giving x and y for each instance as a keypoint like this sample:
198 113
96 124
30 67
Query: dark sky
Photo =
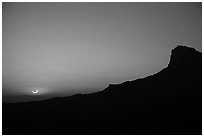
66 48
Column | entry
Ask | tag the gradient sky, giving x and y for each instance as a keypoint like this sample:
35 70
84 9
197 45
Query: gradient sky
66 48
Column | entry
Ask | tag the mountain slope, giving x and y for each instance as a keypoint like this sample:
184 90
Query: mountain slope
169 102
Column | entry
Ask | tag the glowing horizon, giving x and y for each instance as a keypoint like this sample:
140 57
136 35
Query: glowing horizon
67 48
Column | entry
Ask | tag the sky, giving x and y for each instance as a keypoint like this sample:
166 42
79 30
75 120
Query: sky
62 49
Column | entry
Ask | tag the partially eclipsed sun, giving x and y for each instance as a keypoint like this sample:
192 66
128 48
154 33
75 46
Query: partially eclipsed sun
35 92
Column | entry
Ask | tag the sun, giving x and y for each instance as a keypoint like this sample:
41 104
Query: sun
35 92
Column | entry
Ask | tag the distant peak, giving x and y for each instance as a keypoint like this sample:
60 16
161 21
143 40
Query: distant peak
183 48
182 56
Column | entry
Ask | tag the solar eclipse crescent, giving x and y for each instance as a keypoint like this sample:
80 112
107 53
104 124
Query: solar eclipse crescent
35 92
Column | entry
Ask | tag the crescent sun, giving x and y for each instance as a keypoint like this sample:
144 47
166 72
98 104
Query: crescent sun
35 92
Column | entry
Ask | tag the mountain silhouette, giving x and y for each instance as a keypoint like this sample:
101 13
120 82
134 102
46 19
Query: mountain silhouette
166 103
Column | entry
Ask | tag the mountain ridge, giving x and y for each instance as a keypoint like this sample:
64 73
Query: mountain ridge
174 52
168 102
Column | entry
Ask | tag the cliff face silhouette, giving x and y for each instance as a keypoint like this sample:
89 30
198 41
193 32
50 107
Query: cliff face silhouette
169 102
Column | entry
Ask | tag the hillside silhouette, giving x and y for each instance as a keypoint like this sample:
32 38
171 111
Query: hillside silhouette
169 102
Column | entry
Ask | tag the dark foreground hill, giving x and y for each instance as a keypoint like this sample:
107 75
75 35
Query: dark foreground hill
169 102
